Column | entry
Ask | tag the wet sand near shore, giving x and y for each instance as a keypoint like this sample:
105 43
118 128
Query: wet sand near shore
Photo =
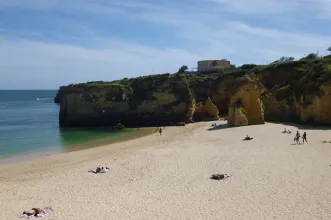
133 133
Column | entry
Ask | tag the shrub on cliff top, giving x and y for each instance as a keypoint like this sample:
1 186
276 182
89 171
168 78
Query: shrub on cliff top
247 66
182 69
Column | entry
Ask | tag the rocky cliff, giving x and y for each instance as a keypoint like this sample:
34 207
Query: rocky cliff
151 100
245 107
298 91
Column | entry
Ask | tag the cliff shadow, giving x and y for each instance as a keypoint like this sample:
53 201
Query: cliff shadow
219 127
302 126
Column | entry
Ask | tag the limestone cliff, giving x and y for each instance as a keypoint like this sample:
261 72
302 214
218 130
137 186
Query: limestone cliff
237 114
299 94
309 108
205 111
220 90
246 107
152 100
318 111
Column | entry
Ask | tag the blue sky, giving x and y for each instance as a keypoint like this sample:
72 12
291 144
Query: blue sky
45 44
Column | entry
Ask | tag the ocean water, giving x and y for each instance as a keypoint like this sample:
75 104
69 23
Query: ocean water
29 124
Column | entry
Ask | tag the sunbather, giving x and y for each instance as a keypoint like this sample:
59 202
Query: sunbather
100 170
37 212
220 176
247 138
33 211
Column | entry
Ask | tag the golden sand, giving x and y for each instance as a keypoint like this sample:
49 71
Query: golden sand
167 177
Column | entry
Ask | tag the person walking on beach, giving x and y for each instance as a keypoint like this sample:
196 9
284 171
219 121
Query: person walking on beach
160 130
297 137
304 138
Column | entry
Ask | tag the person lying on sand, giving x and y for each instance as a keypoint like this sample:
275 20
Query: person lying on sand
286 131
37 212
31 212
247 138
220 176
100 170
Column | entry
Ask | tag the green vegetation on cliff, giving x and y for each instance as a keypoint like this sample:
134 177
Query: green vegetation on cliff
291 80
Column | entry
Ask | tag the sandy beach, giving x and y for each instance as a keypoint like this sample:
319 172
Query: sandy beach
168 177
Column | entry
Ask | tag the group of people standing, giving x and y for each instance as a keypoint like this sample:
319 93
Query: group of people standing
297 137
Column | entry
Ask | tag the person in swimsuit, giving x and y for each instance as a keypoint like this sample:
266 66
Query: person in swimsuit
37 212
32 212
304 138
98 170
297 137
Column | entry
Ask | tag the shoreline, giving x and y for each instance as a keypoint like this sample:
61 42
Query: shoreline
130 134
41 165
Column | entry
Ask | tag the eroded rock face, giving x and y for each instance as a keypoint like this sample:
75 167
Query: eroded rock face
246 107
316 108
153 101
206 111
221 90
237 114
278 110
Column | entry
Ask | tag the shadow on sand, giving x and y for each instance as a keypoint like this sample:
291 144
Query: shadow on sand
219 127
290 124
304 126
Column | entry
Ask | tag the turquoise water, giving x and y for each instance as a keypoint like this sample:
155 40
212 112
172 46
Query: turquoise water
29 123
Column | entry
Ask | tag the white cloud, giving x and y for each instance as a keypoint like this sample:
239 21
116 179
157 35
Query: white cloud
324 8
56 64
207 33
258 6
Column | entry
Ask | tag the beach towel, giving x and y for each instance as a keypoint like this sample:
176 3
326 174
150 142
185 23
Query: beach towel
45 211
